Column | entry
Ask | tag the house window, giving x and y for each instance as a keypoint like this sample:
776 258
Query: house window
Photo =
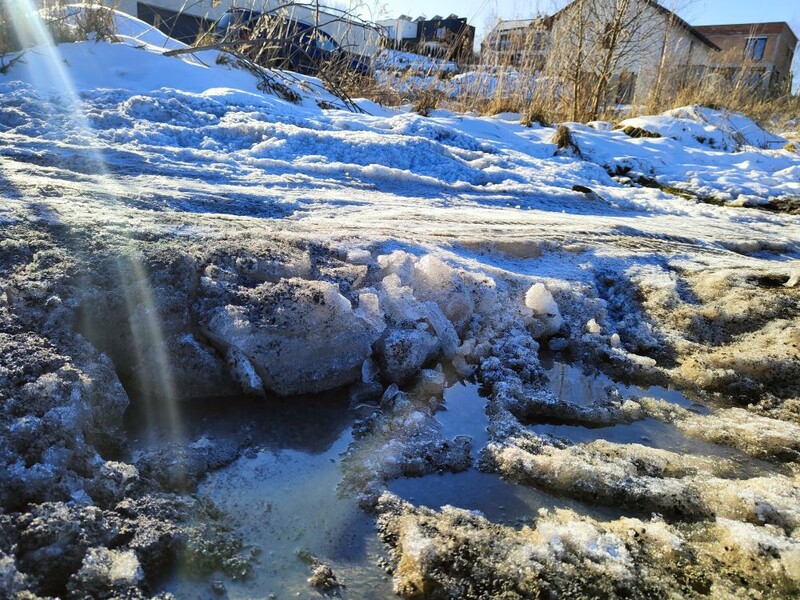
441 32
755 47
626 86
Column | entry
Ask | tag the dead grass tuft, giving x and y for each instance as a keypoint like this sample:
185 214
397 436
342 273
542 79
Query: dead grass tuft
428 101
564 141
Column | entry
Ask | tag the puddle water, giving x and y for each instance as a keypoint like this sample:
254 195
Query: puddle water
571 384
284 502
270 423
283 498
464 413
648 432
497 499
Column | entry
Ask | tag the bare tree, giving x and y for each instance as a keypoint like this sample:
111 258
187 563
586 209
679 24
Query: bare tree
594 41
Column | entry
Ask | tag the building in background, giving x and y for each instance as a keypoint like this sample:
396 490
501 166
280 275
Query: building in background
401 32
517 42
765 52
450 37
652 42
185 21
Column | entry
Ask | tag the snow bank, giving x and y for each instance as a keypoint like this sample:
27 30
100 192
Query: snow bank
699 125
396 60
562 551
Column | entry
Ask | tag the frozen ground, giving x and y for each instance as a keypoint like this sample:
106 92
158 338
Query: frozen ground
173 237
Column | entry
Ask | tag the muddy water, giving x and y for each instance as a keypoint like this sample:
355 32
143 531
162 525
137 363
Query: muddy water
286 503
282 496
569 383
464 413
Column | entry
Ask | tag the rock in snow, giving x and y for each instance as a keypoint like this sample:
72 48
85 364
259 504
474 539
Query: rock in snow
544 307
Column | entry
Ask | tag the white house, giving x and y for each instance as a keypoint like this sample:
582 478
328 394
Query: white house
399 29
184 20
653 42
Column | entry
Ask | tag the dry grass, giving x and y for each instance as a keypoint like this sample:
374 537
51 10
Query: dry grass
64 24
427 102
564 142
551 87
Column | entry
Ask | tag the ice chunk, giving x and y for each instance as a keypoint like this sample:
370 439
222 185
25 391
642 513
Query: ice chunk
541 302
402 352
467 348
593 327
462 367
398 302
437 281
300 336
103 568
398 263
369 371
369 309
242 371
358 256
430 383
443 328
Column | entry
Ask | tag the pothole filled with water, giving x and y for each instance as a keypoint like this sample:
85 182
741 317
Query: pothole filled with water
282 494
570 384
464 413
283 489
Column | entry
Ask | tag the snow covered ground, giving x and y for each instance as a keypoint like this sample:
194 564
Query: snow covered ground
396 60
169 226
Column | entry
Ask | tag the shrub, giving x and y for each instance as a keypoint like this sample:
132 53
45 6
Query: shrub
535 113
427 101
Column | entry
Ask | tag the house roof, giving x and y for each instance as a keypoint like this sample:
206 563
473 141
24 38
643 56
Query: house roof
513 24
746 28
675 19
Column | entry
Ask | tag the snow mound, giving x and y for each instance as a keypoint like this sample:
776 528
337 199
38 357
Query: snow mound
702 126
134 61
396 60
